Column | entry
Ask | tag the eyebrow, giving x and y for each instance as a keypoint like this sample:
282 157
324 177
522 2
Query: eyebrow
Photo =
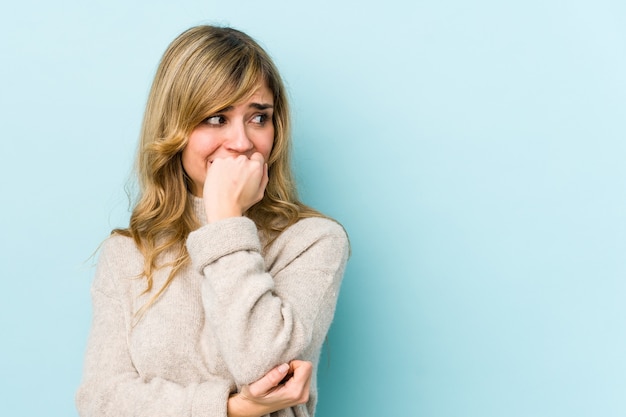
258 106
261 106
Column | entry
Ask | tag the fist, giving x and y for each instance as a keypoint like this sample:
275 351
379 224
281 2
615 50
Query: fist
233 185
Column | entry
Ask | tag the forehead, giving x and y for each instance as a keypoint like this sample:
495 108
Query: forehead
260 94
263 93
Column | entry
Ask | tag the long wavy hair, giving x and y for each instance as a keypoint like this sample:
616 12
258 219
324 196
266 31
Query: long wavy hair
203 71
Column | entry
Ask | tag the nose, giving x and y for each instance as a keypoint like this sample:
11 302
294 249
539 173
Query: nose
238 140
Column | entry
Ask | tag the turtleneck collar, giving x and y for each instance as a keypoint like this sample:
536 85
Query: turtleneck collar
198 208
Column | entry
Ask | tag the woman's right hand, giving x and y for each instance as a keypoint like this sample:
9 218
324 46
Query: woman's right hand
285 386
233 185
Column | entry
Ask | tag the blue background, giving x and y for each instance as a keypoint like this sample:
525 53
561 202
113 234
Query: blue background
474 150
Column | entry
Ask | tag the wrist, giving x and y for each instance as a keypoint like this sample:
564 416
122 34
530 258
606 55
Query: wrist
241 406
235 406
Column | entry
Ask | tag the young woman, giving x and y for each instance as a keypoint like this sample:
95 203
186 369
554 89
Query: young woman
216 299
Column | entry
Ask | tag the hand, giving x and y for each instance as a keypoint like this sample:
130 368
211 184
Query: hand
233 185
282 387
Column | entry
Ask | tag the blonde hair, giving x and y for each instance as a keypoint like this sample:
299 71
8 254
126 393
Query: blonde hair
203 71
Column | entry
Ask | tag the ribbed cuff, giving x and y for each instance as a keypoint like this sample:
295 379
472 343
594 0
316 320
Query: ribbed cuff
211 399
212 241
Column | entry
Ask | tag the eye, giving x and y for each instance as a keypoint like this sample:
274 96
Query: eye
215 120
260 119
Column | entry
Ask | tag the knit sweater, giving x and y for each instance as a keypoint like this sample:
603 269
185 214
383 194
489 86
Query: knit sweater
228 317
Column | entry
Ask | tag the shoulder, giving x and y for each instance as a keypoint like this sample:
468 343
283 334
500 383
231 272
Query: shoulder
314 228
118 258
117 248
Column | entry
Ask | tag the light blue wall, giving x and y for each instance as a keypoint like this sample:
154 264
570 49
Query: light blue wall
474 150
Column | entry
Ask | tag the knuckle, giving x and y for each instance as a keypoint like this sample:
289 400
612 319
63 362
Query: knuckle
274 376
251 391
304 397
307 367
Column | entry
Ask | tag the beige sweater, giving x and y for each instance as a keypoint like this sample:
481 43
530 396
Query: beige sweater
225 320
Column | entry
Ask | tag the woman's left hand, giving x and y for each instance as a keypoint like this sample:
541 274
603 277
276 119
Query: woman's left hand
285 386
233 185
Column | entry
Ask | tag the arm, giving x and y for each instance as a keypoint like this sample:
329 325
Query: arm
263 317
111 385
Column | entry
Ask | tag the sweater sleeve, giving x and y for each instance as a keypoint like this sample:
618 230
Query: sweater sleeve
266 317
111 385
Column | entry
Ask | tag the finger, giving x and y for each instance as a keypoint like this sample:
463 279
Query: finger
269 381
300 372
257 157
300 383
301 366
265 180
306 391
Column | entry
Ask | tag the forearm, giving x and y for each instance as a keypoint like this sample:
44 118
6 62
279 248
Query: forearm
129 395
248 312
270 316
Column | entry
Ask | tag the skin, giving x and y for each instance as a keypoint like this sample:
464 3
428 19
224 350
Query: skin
226 153
285 386
225 158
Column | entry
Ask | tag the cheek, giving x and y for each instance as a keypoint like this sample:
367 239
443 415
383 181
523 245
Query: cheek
192 157
199 147
266 145
267 152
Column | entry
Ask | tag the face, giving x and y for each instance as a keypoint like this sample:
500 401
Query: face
241 129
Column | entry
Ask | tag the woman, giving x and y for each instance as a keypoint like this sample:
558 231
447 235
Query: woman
216 299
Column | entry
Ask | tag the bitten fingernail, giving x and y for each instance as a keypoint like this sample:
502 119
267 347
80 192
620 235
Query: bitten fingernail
283 368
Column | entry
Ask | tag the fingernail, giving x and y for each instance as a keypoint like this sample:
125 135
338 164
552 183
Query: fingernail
283 368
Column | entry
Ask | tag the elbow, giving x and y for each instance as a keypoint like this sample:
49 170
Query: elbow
254 353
